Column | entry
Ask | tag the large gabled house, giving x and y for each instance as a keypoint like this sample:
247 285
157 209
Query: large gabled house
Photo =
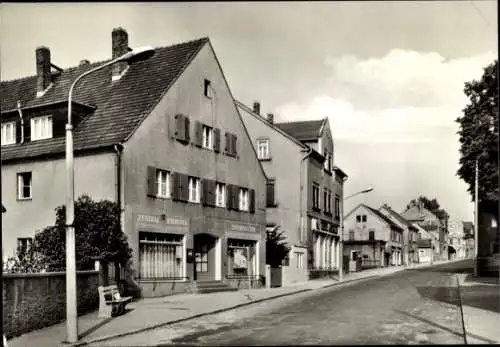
304 189
161 137
372 236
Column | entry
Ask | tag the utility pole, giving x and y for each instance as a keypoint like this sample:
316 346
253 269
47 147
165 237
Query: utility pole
476 218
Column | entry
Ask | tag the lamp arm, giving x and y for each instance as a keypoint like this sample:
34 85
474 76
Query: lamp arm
73 85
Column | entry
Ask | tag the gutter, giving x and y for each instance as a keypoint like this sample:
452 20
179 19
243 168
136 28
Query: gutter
118 150
22 120
301 198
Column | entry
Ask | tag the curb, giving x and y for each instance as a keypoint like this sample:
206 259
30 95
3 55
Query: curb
160 325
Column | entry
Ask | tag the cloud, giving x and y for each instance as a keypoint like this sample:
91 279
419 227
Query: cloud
393 122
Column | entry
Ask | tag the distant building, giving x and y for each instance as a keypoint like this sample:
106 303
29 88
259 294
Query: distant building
374 237
427 244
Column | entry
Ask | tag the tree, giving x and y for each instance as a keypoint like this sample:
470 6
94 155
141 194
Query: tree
431 205
98 235
276 247
478 137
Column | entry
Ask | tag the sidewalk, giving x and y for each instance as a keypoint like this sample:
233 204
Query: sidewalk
481 308
151 313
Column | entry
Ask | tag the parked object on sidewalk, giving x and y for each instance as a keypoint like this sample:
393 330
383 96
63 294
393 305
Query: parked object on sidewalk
110 301
4 339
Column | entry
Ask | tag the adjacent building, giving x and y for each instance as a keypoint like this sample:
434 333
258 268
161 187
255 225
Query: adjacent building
418 214
161 137
373 236
304 189
410 235
468 228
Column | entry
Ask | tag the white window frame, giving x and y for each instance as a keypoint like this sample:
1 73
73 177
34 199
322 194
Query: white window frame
21 186
263 149
208 136
244 199
194 189
163 182
41 128
220 195
8 133
300 259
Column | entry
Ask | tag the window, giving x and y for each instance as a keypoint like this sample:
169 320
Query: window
243 199
358 218
337 207
315 192
23 244
201 258
263 149
8 133
241 258
24 185
270 196
160 255
371 235
220 195
329 202
194 189
163 181
351 235
363 218
41 128
328 160
325 201
300 260
207 137
207 88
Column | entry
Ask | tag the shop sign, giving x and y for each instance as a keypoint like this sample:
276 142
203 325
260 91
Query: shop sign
161 219
244 228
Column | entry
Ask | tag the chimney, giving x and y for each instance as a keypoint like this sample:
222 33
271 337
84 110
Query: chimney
119 38
270 118
43 75
84 62
256 107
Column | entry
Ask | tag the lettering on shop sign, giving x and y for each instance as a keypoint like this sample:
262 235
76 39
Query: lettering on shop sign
161 219
245 228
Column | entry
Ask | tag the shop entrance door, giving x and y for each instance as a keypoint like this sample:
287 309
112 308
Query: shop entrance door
204 254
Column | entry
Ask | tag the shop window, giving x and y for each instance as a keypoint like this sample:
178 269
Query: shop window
241 258
161 256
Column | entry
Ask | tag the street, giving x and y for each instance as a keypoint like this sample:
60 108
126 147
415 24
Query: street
419 306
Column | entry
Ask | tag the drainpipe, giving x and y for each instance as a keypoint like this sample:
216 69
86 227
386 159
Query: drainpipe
301 198
22 120
118 150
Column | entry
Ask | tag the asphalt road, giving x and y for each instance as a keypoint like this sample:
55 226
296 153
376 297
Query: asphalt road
409 307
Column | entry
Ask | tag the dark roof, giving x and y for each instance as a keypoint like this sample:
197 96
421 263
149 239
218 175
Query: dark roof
383 217
399 217
120 105
303 130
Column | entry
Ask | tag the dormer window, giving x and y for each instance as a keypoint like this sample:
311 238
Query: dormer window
8 133
41 128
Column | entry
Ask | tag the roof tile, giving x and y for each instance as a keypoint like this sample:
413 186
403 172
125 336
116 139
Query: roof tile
120 105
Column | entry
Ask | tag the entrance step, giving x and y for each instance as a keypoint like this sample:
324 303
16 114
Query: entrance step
203 287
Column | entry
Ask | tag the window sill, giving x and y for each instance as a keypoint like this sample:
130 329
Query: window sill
328 172
265 159
329 214
272 205
24 199
316 209
163 197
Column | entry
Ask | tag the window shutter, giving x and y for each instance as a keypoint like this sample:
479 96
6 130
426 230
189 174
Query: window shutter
58 127
184 188
213 196
186 127
270 194
233 145
217 140
18 131
151 182
251 197
176 184
198 133
236 197
204 192
227 143
229 196
179 128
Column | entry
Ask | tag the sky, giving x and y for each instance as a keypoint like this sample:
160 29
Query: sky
388 75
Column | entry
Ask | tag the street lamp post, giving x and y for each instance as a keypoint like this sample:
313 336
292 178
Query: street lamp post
476 217
71 298
341 243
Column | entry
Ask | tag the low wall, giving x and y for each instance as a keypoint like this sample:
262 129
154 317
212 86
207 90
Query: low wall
293 275
35 301
242 282
153 289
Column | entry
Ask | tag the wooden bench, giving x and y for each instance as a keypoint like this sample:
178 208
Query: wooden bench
111 303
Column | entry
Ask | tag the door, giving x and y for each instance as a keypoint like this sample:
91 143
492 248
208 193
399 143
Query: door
204 257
